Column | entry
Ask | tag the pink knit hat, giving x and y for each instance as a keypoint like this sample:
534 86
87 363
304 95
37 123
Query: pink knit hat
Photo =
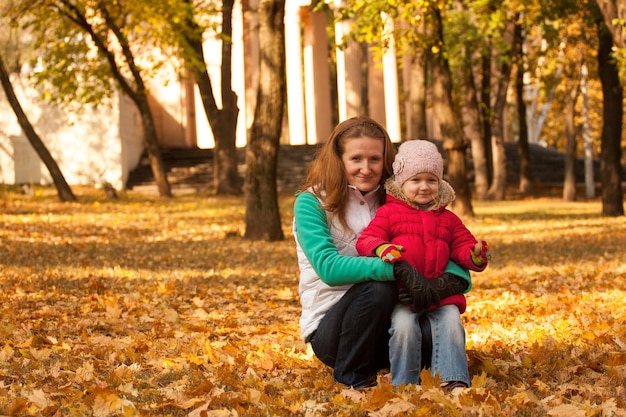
417 156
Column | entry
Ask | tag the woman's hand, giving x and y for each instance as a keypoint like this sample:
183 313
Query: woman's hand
422 290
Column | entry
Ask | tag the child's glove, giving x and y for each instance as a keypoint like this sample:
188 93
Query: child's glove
481 254
389 252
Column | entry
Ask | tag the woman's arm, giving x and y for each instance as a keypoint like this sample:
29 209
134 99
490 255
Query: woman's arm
456 270
313 234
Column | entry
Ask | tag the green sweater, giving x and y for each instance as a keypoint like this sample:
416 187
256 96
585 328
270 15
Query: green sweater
332 267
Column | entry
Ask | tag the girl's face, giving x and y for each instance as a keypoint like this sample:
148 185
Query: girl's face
421 188
363 162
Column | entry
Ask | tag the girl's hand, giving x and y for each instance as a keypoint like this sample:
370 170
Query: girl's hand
481 253
389 253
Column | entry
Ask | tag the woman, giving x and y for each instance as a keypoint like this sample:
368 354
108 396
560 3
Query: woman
347 300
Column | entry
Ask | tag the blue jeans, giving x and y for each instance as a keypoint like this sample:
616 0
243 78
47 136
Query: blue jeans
448 358
353 336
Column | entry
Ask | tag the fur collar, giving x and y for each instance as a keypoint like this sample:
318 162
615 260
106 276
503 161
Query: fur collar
446 195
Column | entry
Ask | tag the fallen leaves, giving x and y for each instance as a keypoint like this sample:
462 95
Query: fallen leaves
143 307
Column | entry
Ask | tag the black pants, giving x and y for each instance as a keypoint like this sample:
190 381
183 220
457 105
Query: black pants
353 336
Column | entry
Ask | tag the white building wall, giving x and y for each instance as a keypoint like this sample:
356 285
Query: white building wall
130 134
86 143
19 163
24 167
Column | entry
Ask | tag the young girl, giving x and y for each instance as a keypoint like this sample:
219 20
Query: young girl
415 226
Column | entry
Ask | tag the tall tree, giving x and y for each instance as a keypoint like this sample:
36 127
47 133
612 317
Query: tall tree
569 41
611 150
569 181
69 32
223 121
523 150
454 142
466 39
614 15
472 121
262 214
63 189
498 186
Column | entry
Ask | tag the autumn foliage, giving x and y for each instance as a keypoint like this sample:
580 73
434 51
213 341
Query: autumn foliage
144 307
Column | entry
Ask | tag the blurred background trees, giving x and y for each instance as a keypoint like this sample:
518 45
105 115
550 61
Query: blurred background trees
485 72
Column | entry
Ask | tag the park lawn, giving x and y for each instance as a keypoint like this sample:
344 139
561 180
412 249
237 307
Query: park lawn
147 307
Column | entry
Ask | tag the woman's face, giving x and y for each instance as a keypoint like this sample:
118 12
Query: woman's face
363 161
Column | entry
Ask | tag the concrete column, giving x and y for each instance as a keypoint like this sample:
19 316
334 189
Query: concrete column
295 87
341 70
349 74
390 78
238 72
317 78
191 137
375 88
406 75
250 58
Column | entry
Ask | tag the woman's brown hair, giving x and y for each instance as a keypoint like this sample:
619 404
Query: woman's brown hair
327 177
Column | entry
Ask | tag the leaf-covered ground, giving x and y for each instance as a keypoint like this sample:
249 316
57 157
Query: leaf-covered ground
144 307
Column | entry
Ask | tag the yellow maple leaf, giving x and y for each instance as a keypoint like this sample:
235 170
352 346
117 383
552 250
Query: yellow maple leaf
39 398
429 380
381 395
6 353
40 354
113 311
108 403
395 407
480 381
567 410
84 373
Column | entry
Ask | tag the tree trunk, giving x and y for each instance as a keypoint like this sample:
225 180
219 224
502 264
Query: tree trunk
611 151
63 189
525 176
613 10
471 115
151 143
223 121
590 182
569 183
262 214
454 142
136 90
485 106
416 114
498 186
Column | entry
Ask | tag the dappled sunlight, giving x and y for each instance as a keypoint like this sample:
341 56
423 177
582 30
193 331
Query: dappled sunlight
534 318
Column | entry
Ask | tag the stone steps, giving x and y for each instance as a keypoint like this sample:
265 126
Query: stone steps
191 170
